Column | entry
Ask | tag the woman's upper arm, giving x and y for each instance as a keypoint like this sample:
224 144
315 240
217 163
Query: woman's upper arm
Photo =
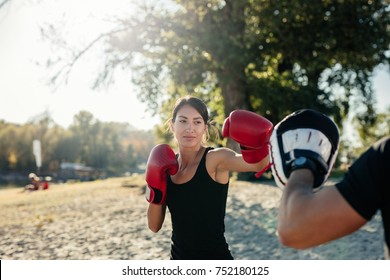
228 160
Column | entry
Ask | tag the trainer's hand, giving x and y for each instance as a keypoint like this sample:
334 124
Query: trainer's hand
305 139
251 131
162 161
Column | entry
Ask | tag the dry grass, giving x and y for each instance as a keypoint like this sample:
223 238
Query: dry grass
60 200
106 219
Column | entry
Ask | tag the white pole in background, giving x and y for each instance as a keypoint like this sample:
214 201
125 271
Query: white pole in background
37 153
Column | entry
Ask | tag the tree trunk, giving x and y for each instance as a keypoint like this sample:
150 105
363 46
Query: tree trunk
235 96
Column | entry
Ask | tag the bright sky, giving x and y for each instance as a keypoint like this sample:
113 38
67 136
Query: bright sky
23 90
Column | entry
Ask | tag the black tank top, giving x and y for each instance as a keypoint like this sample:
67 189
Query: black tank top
197 210
366 185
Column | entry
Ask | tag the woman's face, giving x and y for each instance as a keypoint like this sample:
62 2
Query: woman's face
189 127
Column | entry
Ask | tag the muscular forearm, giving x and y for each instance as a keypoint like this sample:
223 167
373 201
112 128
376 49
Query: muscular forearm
295 219
308 218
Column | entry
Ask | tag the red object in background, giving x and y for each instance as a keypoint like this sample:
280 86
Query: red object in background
45 185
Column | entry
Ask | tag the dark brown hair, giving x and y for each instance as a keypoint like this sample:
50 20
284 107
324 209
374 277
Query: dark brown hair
194 102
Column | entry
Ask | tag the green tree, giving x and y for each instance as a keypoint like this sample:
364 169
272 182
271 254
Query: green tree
107 146
68 148
268 56
371 133
112 147
16 147
84 129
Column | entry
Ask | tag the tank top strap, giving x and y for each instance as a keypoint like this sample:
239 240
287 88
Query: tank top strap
203 160
202 163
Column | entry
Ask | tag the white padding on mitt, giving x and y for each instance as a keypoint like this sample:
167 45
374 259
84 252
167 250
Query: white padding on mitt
298 142
306 139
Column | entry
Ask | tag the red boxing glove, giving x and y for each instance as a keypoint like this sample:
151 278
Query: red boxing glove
162 161
251 131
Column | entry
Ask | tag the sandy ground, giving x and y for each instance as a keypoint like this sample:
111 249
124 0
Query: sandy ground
107 220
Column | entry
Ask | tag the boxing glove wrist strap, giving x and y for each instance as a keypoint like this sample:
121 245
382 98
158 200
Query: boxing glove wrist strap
154 196
253 155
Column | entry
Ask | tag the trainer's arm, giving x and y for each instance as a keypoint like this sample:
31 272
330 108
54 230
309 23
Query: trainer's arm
308 218
156 216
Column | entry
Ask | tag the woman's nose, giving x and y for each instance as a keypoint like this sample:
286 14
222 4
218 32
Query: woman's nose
189 126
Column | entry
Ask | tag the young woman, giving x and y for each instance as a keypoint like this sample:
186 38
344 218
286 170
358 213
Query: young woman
193 183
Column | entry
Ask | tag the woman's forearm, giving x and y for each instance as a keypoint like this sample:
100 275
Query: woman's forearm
156 216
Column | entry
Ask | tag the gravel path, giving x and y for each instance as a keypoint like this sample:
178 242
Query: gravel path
107 220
